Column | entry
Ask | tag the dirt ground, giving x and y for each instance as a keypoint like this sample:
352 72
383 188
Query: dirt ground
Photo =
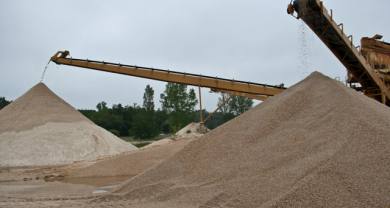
80 184
28 187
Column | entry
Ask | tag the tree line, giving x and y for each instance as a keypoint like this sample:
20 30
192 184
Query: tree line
4 102
178 108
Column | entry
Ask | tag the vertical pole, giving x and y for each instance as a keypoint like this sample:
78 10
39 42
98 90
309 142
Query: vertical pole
383 98
200 105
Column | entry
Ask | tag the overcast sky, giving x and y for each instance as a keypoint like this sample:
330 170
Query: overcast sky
250 40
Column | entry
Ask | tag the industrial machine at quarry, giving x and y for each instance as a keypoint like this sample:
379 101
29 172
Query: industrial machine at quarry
368 65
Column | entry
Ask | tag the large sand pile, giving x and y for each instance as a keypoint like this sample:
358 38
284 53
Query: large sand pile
39 128
318 144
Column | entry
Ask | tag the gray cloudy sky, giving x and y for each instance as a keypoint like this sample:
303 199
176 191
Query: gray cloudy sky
249 40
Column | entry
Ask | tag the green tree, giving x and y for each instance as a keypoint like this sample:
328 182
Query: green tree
176 98
3 102
238 105
235 105
101 106
180 103
148 98
117 109
161 118
223 102
145 126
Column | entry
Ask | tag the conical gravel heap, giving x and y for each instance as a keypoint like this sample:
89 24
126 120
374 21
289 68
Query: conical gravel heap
40 128
192 130
318 144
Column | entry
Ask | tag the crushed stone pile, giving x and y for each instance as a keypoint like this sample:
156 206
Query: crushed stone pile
39 128
192 130
318 144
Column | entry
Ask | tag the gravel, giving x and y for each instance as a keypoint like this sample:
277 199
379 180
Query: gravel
318 144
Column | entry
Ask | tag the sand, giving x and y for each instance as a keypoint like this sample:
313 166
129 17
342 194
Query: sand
130 164
318 144
124 166
192 130
40 128
160 142
37 107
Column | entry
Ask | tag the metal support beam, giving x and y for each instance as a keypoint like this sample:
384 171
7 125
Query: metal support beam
221 84
200 106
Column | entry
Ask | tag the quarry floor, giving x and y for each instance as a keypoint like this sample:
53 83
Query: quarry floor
28 187
53 186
